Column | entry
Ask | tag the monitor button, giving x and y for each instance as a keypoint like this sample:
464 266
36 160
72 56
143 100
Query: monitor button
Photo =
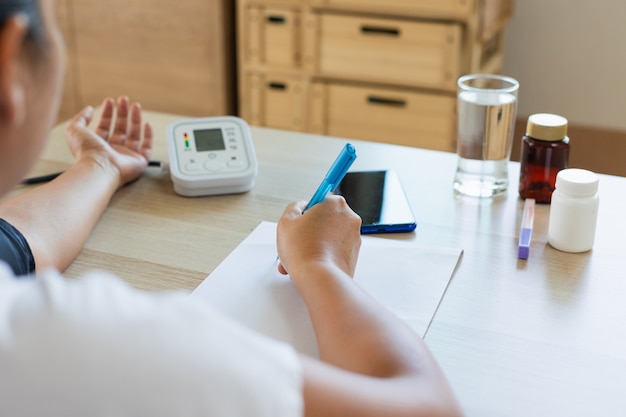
193 166
234 163
214 165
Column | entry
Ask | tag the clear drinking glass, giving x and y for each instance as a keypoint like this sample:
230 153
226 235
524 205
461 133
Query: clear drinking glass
487 109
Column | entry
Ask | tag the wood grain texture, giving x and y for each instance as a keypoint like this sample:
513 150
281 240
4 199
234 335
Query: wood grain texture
70 101
541 337
426 8
418 46
415 54
175 57
389 115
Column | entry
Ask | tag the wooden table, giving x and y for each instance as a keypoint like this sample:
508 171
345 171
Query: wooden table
542 337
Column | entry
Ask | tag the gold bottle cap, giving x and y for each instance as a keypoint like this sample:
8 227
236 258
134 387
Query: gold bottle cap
545 126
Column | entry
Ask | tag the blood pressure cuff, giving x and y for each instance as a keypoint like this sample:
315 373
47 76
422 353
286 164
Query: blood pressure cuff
14 250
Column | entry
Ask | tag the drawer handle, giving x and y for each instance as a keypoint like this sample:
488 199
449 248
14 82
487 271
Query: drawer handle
279 20
277 86
378 30
386 101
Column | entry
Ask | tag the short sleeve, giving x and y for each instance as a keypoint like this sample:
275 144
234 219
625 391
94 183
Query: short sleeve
95 346
14 250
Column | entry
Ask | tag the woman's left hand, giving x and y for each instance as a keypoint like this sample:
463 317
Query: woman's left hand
119 140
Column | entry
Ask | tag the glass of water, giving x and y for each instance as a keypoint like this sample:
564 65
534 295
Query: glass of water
487 109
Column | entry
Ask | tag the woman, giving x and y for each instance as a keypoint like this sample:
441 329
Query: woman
94 346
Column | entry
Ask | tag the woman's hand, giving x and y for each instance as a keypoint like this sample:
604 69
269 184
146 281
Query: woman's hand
119 140
327 234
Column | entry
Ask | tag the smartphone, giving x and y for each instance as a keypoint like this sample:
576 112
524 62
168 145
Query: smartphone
379 199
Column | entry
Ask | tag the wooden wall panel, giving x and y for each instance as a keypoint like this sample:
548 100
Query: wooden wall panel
175 57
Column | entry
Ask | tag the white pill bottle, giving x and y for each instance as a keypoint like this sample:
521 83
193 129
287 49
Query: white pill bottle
574 210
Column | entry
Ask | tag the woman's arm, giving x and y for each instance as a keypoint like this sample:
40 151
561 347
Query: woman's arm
371 363
57 218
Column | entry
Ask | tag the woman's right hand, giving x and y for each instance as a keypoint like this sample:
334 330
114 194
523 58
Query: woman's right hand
328 234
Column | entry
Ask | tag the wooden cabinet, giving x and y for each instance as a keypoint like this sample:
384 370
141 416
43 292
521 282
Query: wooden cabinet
380 70
416 54
410 118
175 57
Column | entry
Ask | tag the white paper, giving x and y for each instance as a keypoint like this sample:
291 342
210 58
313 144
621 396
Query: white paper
409 280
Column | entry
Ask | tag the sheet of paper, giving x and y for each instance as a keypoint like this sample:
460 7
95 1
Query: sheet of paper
247 286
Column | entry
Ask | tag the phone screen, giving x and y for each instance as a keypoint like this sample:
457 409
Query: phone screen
378 198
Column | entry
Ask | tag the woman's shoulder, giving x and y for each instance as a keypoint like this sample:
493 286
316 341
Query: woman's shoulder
97 333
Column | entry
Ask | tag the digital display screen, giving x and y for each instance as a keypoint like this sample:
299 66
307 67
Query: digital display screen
209 140
378 198
364 193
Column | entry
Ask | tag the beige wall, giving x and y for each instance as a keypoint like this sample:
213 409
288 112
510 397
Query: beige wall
570 59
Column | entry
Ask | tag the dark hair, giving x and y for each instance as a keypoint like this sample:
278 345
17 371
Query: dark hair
29 8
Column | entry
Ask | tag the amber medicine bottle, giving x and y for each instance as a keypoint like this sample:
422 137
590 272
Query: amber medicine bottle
574 211
545 151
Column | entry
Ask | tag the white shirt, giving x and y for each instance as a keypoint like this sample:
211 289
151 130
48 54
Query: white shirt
97 347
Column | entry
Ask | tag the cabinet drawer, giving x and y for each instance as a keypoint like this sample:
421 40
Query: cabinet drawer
272 36
275 100
386 115
425 7
418 54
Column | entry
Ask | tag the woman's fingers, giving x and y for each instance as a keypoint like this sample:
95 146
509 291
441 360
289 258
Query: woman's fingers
120 131
134 130
106 118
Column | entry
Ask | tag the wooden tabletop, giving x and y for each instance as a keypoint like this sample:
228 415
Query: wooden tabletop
541 337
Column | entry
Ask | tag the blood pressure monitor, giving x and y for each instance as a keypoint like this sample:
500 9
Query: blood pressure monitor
210 156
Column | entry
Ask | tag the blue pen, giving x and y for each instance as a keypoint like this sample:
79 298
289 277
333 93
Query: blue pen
334 176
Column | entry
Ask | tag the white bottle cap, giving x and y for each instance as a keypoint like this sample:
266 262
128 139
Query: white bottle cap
577 182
